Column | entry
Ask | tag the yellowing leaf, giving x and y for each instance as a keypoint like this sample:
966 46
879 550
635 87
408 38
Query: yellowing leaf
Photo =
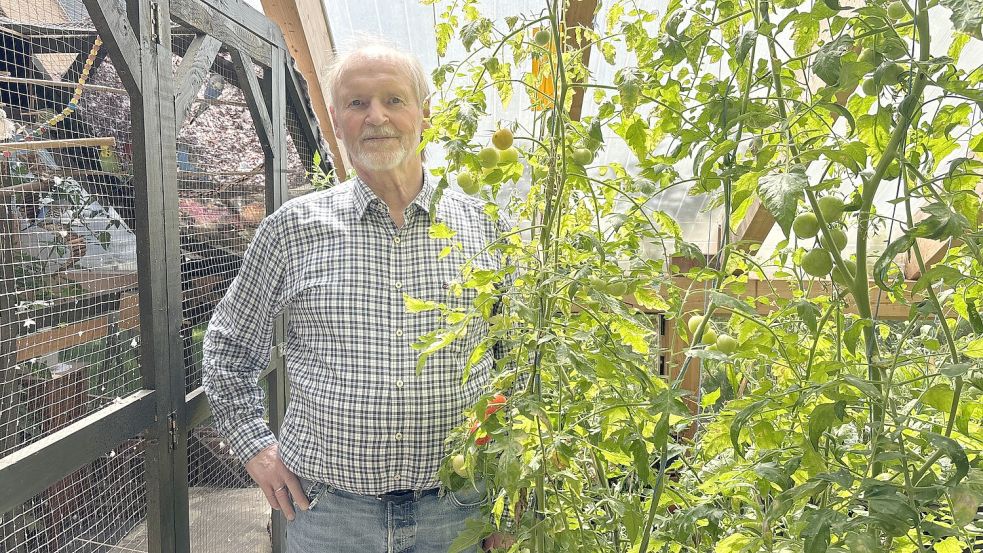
732 544
632 336
414 305
440 230
949 545
975 349
650 299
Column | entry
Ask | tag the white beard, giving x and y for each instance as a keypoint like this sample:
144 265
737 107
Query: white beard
381 160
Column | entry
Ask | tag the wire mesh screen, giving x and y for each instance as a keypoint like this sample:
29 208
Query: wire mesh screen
300 160
95 509
222 199
69 338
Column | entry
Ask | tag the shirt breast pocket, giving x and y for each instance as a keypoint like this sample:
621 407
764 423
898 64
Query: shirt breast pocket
459 307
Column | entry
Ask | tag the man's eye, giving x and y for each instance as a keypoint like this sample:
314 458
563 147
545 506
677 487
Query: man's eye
397 100
355 103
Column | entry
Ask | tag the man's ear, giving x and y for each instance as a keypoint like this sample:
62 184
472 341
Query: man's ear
426 115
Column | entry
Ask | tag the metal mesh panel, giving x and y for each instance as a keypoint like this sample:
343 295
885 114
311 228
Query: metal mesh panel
300 161
222 199
95 509
69 316
228 512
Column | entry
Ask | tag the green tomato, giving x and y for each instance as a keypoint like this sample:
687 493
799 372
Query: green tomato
839 239
896 10
727 344
502 139
806 225
870 56
709 336
817 262
508 156
888 74
542 37
871 87
582 156
838 277
488 157
694 323
617 289
468 184
894 48
831 207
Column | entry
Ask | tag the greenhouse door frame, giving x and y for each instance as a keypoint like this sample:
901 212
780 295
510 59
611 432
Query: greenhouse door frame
138 37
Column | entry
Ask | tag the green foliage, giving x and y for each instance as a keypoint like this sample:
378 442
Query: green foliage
839 418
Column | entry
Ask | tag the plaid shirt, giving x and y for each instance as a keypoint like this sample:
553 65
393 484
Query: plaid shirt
359 417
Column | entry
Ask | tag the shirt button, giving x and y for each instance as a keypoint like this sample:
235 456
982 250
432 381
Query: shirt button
399 383
396 477
399 436
399 284
396 240
399 332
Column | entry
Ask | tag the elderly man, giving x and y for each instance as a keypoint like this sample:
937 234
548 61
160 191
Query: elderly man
355 466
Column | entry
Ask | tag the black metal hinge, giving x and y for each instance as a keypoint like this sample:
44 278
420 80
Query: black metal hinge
155 22
172 431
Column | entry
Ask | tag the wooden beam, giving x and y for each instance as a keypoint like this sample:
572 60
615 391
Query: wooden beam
932 251
579 14
756 225
778 289
33 468
254 97
122 41
208 20
55 144
308 135
192 73
308 37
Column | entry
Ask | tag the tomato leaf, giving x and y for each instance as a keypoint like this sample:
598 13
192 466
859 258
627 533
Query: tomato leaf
965 502
723 300
967 16
740 420
744 45
826 64
954 452
886 260
780 194
824 417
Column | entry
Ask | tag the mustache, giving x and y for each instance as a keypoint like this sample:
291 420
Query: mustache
380 133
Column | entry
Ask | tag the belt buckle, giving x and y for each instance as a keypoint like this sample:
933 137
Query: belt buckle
398 496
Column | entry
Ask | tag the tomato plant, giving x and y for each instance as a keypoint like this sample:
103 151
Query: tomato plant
841 404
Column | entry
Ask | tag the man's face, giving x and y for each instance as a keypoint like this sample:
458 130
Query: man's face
377 114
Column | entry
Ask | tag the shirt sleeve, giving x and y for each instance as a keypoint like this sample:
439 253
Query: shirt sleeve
238 341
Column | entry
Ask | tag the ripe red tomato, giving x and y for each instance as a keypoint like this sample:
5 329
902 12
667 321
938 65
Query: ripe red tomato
494 404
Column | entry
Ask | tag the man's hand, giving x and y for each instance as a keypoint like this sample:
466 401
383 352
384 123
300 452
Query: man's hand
497 540
276 481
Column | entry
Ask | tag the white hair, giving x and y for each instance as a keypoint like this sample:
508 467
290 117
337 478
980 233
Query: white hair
370 46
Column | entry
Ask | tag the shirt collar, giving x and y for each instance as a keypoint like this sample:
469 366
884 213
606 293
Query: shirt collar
364 196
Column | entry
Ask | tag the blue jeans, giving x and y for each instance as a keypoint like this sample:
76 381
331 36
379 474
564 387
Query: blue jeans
343 522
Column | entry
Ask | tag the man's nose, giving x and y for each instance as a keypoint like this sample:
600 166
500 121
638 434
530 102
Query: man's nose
377 113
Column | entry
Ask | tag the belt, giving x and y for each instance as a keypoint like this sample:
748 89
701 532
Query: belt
405 496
